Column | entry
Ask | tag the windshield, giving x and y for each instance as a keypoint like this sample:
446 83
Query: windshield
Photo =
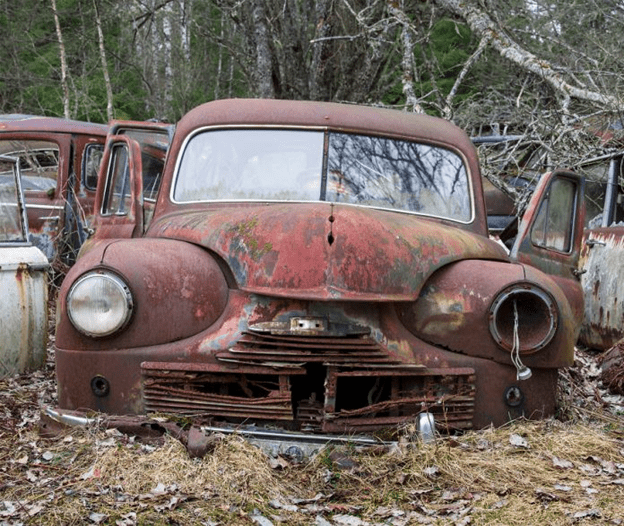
277 165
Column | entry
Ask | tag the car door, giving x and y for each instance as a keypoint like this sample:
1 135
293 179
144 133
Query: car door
601 261
130 177
550 233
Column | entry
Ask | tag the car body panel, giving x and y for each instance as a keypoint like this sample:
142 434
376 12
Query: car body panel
601 256
603 324
23 282
394 253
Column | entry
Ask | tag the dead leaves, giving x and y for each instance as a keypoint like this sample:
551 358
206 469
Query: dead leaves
518 441
519 474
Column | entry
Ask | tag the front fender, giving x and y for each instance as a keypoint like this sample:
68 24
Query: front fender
178 290
453 311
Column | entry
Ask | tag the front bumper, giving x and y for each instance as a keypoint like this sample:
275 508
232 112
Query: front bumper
198 439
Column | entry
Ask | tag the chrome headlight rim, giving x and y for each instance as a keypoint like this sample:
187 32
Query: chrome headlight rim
119 287
534 301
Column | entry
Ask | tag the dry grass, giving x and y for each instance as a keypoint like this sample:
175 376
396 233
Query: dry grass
526 473
549 472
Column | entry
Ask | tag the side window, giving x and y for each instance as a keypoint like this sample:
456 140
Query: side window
11 226
154 146
117 196
152 174
91 161
554 225
38 161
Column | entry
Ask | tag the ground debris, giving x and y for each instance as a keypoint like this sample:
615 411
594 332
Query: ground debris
556 471
612 369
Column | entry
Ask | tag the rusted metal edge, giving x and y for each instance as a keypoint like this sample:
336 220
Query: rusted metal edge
293 445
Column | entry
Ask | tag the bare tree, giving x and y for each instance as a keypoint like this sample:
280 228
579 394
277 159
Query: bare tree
64 84
484 26
107 82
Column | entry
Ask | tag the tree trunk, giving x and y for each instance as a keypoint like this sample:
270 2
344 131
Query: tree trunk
407 60
65 86
264 66
107 82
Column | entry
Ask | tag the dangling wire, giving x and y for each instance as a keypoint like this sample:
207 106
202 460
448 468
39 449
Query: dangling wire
522 371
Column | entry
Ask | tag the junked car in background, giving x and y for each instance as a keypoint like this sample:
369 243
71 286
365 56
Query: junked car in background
59 161
23 281
318 267
603 253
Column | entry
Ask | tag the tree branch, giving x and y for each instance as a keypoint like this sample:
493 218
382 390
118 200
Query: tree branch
483 25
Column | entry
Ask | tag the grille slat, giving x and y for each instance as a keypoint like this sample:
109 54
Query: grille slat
357 385
258 348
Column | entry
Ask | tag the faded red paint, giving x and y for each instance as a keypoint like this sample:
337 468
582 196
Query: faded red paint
323 317
283 248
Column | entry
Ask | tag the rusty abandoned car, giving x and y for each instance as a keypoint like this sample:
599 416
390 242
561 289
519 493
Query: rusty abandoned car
601 254
59 162
317 267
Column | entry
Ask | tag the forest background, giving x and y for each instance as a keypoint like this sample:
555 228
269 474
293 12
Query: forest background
550 71
547 72
477 62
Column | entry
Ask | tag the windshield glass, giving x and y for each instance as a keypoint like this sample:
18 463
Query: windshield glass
277 165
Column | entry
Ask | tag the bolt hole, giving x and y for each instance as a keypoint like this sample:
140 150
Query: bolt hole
100 386
514 396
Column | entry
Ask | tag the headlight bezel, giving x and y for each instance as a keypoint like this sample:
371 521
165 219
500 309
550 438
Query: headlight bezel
535 303
87 325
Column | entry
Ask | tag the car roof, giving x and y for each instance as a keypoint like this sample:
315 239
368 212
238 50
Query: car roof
337 116
34 123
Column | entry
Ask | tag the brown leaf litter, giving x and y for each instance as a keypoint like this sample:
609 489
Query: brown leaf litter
568 470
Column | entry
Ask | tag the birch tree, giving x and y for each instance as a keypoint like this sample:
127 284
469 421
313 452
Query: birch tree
107 81
61 43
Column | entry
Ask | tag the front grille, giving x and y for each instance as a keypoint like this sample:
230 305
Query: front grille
208 390
448 393
261 348
314 376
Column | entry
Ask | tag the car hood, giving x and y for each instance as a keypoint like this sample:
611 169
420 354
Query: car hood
326 251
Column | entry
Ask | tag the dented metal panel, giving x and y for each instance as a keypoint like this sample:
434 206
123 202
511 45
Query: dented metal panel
23 309
603 323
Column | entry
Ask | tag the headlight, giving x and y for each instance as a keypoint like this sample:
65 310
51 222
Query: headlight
99 304
529 309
